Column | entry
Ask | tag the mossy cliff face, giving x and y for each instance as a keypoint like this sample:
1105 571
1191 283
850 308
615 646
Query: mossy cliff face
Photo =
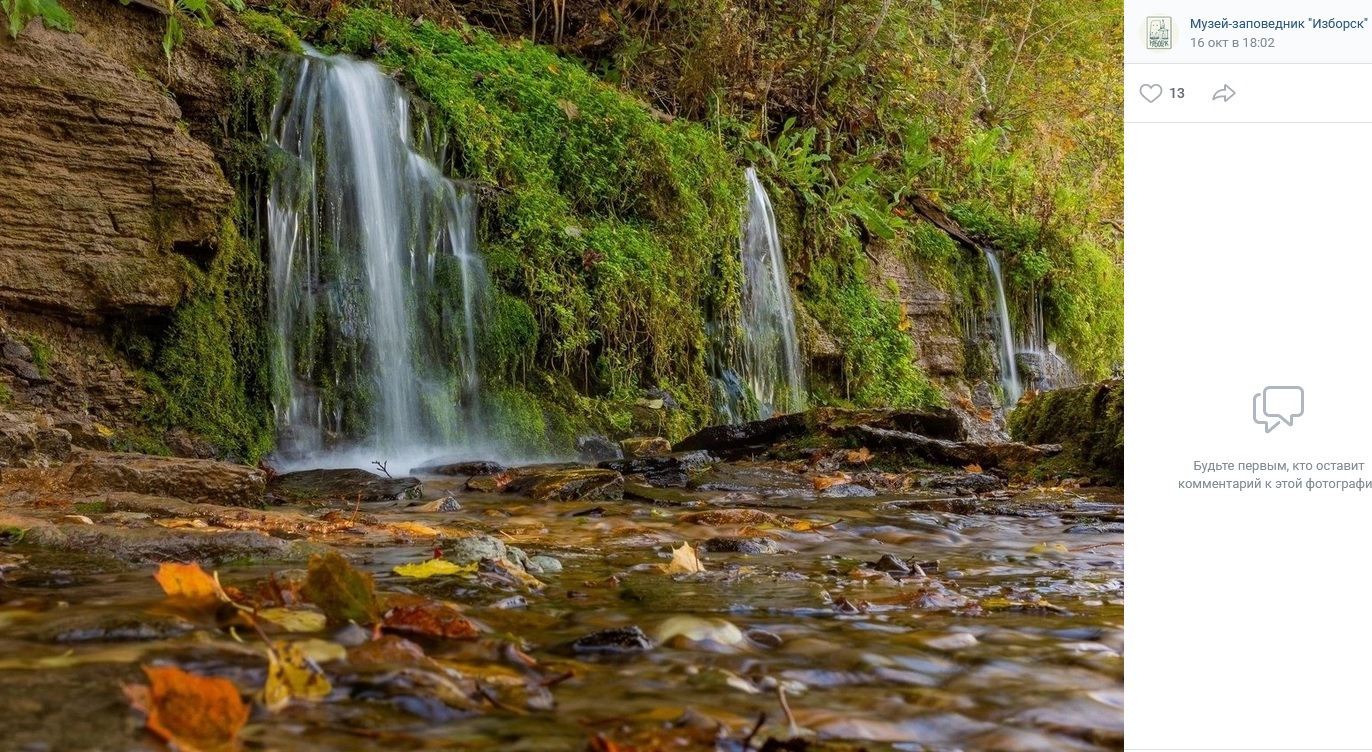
610 225
1088 420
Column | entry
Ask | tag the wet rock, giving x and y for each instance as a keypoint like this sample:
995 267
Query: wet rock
620 640
953 641
597 449
117 627
27 443
1112 528
735 439
1089 419
752 479
542 564
85 431
889 563
764 638
971 483
486 483
668 401
663 471
645 446
188 479
467 467
342 484
942 424
183 443
446 504
156 544
945 452
847 491
463 551
730 545
564 485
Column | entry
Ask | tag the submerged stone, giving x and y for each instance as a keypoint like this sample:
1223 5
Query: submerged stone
618 640
597 449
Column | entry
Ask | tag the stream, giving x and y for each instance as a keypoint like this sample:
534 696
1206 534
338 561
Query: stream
1008 635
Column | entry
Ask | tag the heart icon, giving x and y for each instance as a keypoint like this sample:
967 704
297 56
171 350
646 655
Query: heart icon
1151 92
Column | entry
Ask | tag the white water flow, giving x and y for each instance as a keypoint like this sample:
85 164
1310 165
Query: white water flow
769 355
376 285
1009 375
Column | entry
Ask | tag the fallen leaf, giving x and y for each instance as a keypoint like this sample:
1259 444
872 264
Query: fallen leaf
428 617
417 529
433 568
829 481
293 620
342 592
188 583
194 713
292 675
1043 548
972 468
684 561
859 456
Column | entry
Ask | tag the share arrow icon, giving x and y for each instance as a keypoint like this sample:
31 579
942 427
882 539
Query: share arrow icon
1226 94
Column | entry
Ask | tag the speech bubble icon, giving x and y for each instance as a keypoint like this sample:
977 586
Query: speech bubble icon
1280 404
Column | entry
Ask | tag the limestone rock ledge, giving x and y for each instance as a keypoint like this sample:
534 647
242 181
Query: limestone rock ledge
101 188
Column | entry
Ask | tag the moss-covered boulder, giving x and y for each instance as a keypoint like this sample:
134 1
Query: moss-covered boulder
1088 420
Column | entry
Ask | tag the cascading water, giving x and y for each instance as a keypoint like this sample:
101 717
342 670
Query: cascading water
766 359
1009 374
376 285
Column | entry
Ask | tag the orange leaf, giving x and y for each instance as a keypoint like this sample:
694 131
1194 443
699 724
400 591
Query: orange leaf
428 617
828 481
188 582
973 468
859 456
194 713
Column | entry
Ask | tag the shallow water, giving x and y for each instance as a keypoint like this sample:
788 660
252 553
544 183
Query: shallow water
1012 641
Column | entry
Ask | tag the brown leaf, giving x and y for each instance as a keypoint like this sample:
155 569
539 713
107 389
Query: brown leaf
829 481
389 651
859 456
432 618
684 561
342 592
194 713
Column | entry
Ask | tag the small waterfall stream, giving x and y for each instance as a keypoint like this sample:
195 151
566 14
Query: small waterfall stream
376 284
766 364
1009 374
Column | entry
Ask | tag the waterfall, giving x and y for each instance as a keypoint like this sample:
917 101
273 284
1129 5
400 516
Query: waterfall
764 376
1009 374
376 284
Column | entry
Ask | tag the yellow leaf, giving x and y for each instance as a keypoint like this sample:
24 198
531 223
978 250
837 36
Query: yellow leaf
292 675
433 568
293 620
1043 548
415 528
684 561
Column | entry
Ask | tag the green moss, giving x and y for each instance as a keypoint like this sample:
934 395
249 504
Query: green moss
6 397
1087 419
90 507
612 232
272 29
209 365
879 367
40 352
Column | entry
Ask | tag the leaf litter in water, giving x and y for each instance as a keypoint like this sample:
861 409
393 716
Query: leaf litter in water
342 592
189 584
684 561
292 675
192 713
433 568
